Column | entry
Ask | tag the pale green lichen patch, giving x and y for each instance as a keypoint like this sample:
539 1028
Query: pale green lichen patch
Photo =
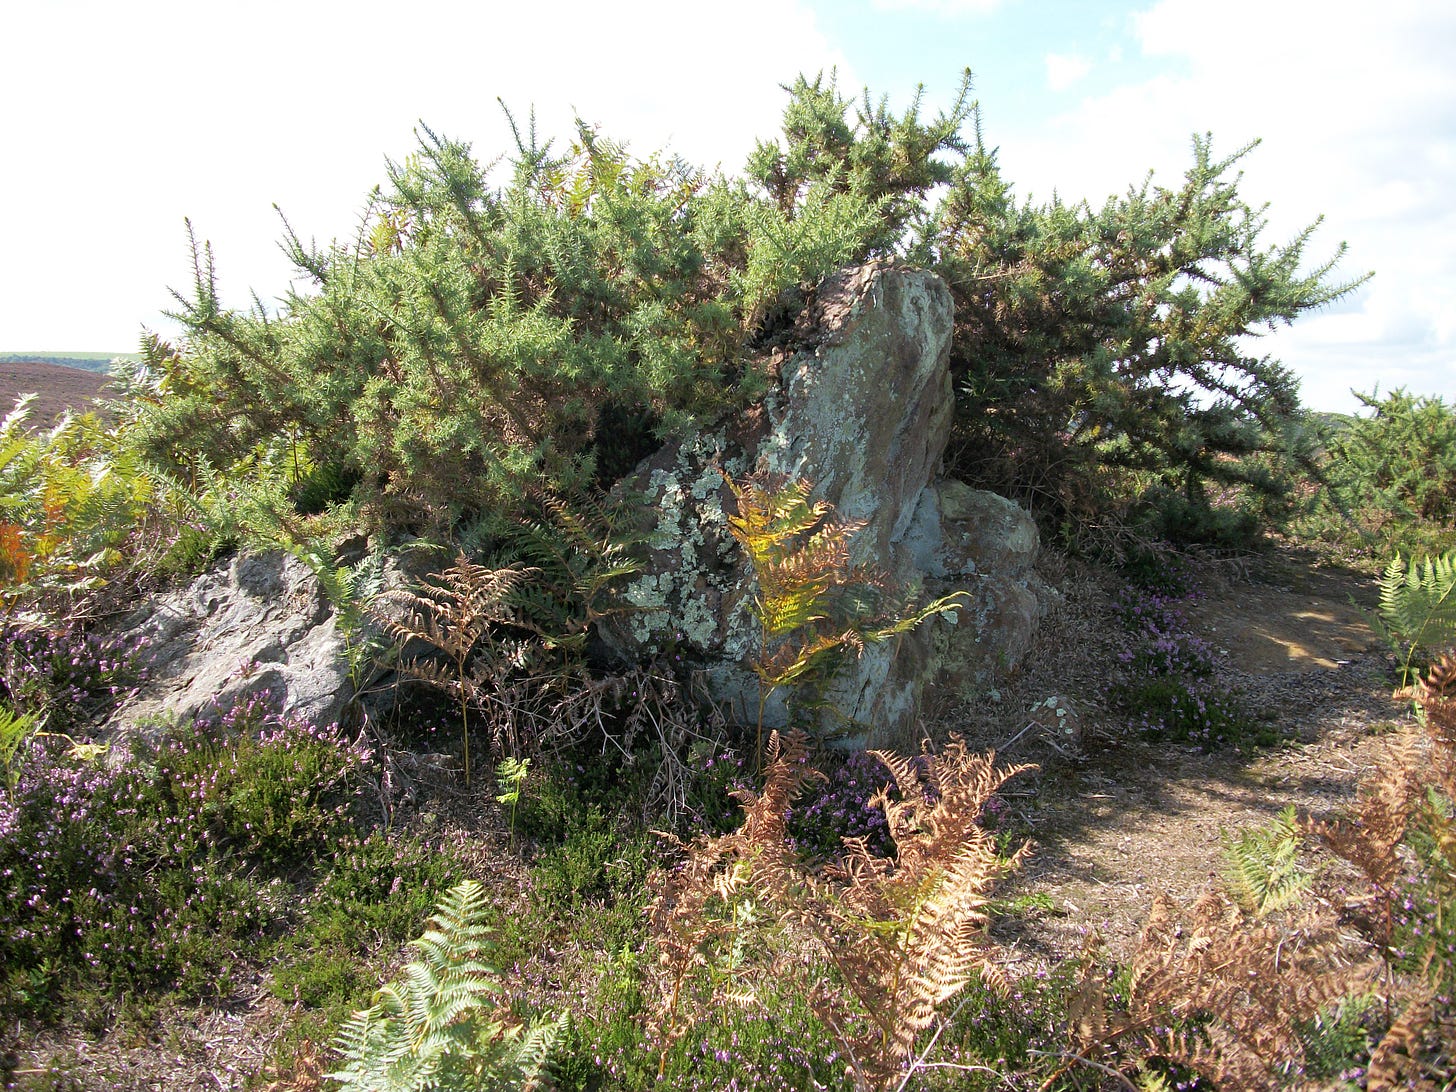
680 596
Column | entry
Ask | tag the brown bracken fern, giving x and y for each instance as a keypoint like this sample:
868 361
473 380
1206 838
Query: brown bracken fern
1231 992
814 604
906 933
459 613
698 916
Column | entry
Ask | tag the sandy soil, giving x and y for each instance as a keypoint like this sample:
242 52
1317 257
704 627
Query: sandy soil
1119 820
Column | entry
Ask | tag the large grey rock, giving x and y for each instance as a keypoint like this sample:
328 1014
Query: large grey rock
256 623
862 409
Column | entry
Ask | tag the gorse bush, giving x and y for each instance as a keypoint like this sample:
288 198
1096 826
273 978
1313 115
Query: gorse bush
1098 351
478 341
1385 481
1400 459
475 342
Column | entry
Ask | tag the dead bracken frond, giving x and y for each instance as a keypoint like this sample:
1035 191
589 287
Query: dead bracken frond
1252 981
458 613
908 932
1435 696
704 907
1232 991
1369 837
1219 991
1415 1053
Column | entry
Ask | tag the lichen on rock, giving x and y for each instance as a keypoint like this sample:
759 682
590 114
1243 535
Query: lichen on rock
862 409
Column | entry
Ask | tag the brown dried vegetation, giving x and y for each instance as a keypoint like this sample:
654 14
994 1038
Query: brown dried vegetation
905 933
1230 995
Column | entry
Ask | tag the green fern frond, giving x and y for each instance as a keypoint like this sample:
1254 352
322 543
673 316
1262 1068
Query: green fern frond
15 729
432 1028
1418 606
1152 1080
1262 869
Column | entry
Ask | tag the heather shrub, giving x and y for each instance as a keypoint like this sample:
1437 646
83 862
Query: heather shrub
270 790
374 893
65 677
101 892
588 847
993 1034
782 1045
160 867
840 806
720 772
1168 682
1183 709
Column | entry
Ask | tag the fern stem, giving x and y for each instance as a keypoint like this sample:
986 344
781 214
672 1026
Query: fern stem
1070 1059
464 721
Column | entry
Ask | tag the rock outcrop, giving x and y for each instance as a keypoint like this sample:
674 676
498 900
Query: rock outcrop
258 623
862 409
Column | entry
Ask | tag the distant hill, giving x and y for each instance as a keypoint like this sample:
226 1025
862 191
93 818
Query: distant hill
58 387
86 362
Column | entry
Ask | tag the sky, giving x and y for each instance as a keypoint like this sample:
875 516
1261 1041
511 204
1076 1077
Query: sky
119 122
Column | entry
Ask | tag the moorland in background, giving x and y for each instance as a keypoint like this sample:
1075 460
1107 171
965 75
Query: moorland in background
57 387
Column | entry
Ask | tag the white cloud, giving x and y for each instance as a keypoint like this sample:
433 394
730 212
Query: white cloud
137 115
1063 70
1356 107
943 8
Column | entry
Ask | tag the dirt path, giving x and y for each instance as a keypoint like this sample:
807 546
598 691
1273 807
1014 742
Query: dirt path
1125 819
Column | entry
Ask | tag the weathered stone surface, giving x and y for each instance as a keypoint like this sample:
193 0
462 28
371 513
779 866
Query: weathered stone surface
862 410
861 407
256 623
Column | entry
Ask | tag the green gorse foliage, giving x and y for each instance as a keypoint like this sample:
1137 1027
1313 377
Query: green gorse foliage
480 341
1401 459
476 342
1098 351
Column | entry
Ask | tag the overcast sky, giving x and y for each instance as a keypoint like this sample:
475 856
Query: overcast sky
119 120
